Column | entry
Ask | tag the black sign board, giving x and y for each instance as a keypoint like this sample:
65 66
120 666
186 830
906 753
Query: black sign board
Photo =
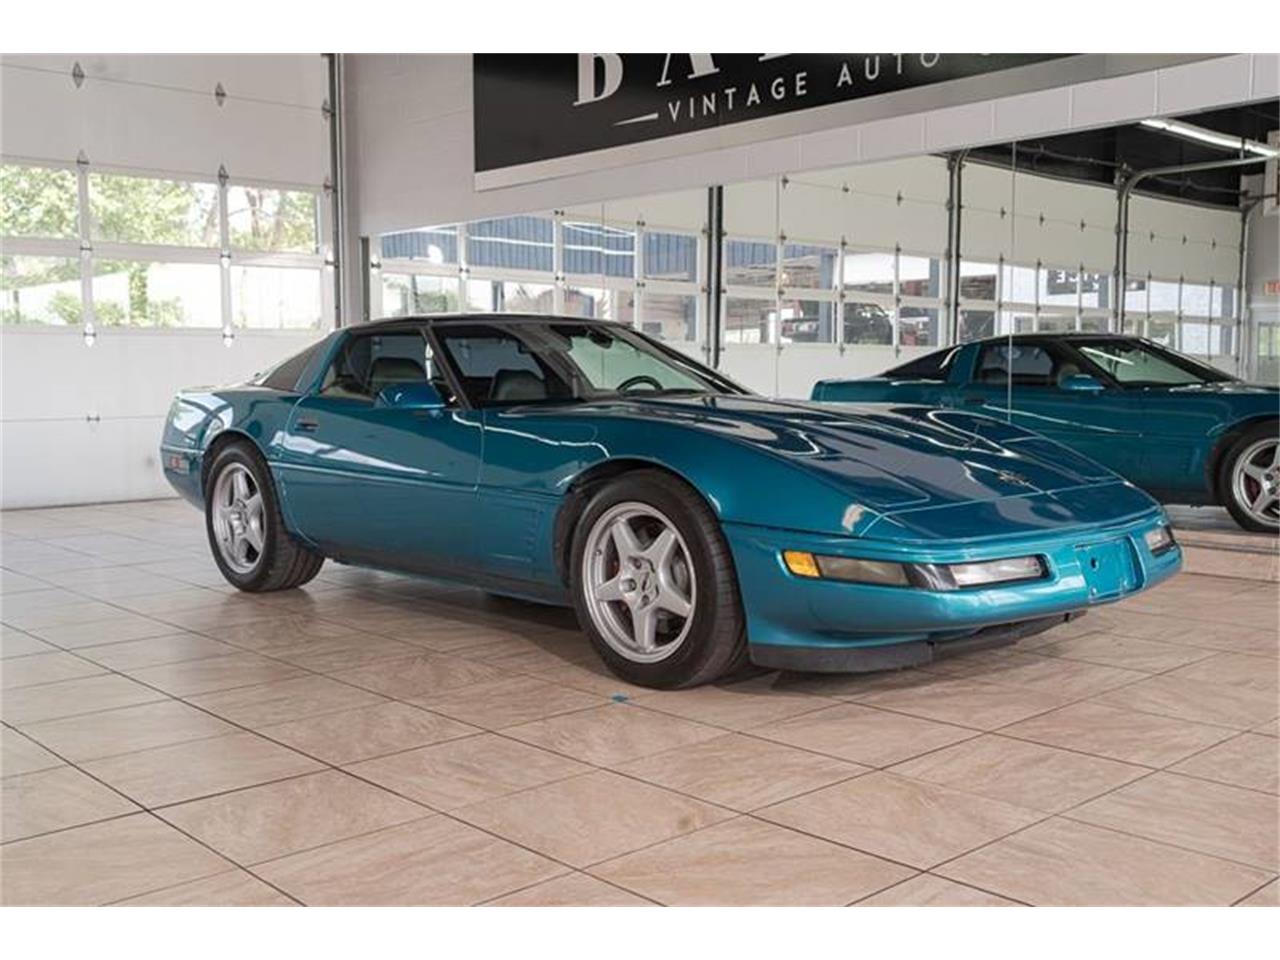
536 107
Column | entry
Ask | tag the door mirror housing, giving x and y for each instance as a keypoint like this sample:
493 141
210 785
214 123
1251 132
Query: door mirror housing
1082 383
417 395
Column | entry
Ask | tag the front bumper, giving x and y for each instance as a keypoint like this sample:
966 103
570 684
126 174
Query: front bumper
829 625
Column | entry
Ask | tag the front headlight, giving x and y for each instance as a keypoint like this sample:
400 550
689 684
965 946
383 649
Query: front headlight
926 576
864 571
1159 539
958 576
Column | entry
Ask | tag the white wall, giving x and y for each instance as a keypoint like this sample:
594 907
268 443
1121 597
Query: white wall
410 146
81 424
1264 257
159 113
1263 266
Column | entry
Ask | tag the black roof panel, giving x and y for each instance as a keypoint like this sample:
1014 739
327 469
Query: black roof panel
481 318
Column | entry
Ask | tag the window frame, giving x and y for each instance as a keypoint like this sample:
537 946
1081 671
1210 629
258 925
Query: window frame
101 241
945 365
242 252
1053 349
342 343
71 240
309 356
89 251
448 362
633 287
1174 358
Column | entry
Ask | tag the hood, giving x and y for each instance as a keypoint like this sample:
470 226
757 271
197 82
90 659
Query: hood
1222 388
884 457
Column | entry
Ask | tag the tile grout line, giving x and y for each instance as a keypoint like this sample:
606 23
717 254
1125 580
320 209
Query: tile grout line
145 810
544 679
1259 888
577 872
328 765
688 796
1269 871
928 873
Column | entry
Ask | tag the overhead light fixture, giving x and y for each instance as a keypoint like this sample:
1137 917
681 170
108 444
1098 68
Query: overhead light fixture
1190 131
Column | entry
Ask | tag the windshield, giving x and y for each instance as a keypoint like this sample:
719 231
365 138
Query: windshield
565 361
1139 363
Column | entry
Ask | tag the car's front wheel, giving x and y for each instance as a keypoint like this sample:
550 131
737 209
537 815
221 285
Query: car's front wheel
246 533
654 583
1250 480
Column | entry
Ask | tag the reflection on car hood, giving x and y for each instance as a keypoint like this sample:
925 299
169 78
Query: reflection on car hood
1224 387
884 457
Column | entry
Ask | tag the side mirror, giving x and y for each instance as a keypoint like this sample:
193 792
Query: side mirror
1081 383
417 395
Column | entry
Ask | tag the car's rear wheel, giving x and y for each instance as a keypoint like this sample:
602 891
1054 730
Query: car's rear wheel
250 544
654 584
1250 479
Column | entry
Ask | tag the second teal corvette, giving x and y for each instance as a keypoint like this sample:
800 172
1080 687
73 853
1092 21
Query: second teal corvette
691 524
1182 430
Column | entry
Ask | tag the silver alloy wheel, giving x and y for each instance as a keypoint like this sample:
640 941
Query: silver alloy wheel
639 583
1255 481
238 519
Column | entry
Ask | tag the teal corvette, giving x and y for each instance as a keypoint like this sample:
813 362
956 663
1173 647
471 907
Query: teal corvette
1183 431
691 524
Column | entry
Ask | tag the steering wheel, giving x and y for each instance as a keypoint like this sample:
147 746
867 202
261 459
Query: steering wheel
638 379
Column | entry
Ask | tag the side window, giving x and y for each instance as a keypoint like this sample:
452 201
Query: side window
367 363
496 367
1027 364
284 375
933 366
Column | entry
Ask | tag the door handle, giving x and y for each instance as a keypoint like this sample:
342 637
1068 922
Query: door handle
307 426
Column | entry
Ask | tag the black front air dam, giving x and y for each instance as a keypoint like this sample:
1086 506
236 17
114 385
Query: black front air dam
895 656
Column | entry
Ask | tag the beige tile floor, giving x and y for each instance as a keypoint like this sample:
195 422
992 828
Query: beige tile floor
374 739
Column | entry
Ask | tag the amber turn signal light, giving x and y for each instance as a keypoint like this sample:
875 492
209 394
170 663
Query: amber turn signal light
800 563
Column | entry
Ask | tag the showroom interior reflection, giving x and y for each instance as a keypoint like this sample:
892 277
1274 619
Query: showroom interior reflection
848 271
639 260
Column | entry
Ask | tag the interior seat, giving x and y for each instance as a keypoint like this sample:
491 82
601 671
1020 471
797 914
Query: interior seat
993 374
386 370
517 386
1067 370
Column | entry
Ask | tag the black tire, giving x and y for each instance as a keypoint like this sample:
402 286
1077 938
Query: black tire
1227 487
283 562
716 642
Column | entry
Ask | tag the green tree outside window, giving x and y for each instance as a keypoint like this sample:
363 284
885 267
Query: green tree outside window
43 202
